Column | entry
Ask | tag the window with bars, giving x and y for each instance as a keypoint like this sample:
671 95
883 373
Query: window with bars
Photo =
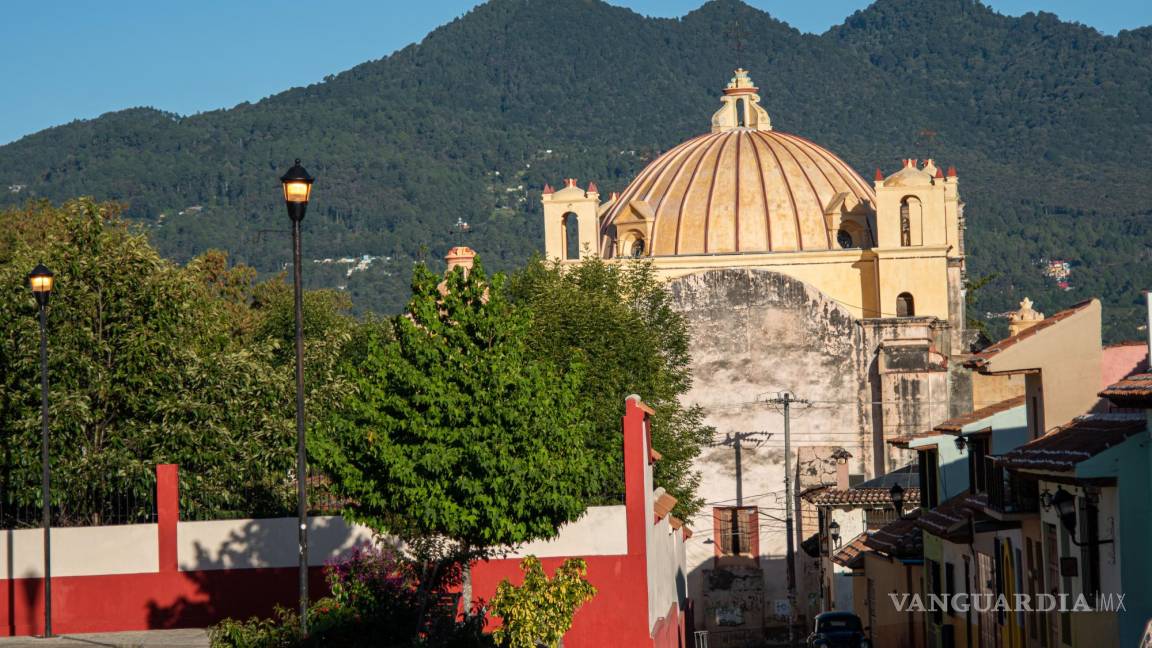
736 531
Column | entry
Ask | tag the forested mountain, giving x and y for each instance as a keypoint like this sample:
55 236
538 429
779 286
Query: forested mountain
1049 124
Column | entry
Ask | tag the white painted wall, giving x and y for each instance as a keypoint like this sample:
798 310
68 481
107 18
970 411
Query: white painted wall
247 544
666 569
602 531
80 551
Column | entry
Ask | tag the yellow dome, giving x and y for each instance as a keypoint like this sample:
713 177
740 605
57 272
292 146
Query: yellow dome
738 189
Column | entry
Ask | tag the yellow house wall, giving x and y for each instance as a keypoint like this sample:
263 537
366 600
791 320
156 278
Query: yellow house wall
991 389
890 627
1068 357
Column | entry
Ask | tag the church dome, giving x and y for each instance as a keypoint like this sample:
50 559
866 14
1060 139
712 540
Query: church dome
741 188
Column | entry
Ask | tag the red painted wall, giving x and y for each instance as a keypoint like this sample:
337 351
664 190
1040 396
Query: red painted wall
169 598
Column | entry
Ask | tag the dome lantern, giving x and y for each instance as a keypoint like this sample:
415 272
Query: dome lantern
741 106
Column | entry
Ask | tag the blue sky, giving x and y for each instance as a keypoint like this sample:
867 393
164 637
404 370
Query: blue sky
76 60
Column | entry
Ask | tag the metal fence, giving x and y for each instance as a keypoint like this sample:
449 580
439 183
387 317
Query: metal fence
133 501
269 499
109 502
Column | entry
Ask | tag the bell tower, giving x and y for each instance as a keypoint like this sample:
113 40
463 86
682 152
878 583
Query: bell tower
571 222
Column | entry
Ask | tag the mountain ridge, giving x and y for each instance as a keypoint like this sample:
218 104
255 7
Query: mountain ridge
1045 120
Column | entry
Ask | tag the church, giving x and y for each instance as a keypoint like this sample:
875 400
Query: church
797 276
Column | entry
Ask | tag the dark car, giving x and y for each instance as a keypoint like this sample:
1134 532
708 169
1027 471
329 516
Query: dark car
838 630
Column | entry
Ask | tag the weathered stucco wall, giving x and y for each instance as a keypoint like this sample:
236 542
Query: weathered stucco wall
756 333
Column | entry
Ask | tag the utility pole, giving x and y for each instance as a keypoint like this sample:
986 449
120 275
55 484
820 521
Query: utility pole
787 400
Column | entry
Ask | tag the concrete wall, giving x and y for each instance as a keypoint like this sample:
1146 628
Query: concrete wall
80 551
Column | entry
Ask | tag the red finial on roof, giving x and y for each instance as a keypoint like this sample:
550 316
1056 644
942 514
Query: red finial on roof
939 172
570 182
879 174
592 188
951 172
548 189
615 196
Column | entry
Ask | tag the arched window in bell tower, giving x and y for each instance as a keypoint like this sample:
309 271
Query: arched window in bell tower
905 305
571 230
905 224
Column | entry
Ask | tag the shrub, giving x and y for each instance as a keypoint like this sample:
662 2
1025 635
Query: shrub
540 611
378 598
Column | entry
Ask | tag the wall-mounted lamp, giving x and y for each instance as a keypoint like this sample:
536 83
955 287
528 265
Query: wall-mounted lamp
1046 500
1065 504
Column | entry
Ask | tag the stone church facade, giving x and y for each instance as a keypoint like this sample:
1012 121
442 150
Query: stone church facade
795 275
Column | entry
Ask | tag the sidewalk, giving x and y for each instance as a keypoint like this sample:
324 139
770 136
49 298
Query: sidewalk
145 639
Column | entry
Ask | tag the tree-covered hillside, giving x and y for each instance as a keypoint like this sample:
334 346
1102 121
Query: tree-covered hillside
1049 124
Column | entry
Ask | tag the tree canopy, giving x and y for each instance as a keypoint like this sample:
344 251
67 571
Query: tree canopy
617 321
453 426
149 362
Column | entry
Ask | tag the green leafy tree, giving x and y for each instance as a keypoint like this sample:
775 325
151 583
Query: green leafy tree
149 362
539 612
618 321
452 425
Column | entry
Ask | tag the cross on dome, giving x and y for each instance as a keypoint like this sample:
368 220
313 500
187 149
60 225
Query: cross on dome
741 106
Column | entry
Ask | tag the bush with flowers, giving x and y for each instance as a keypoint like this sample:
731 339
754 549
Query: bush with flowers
379 598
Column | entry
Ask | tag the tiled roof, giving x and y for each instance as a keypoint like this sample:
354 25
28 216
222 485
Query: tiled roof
1133 391
1083 438
851 555
863 497
899 538
662 504
980 359
955 425
958 423
949 520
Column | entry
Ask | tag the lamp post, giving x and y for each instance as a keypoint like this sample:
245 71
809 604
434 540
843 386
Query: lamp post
897 495
834 532
40 280
297 190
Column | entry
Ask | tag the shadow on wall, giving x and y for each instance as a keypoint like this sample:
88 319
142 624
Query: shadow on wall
249 574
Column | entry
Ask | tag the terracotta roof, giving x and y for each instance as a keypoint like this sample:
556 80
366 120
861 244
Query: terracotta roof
899 538
980 359
955 425
851 555
663 504
863 497
1083 438
949 520
808 494
958 423
1133 391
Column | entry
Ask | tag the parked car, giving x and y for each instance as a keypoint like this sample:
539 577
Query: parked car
839 630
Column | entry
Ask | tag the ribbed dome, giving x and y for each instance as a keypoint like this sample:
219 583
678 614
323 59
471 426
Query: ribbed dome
738 190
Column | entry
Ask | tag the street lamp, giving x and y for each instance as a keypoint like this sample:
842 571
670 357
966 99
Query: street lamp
897 495
834 532
41 280
297 185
